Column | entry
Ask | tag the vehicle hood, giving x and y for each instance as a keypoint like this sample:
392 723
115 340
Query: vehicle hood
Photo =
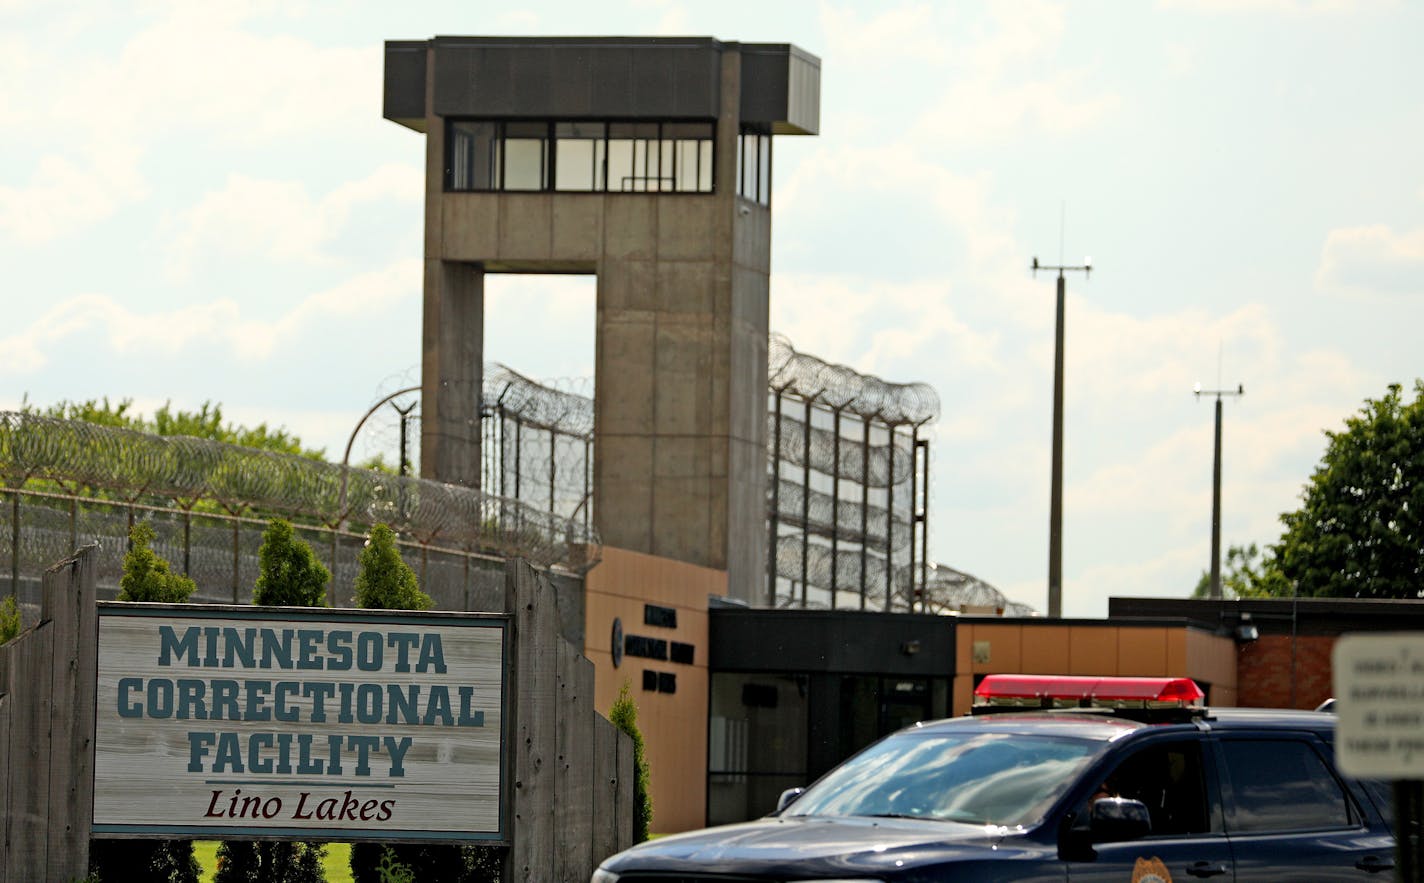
820 846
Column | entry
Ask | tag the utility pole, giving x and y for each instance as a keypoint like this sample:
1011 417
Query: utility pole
1055 500
1240 390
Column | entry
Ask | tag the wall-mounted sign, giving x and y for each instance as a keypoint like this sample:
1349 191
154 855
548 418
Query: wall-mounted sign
662 617
337 724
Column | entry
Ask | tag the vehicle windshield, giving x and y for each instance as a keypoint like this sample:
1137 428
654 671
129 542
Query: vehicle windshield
979 778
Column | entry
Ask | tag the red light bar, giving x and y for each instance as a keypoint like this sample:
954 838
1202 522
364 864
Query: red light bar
1182 690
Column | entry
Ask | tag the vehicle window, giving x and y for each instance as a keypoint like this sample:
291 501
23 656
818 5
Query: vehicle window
1168 777
983 778
1382 794
1282 785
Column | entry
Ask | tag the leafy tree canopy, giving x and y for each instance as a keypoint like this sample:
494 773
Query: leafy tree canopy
1246 573
146 575
289 573
206 422
1358 532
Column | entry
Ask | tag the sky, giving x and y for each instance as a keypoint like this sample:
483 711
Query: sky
201 202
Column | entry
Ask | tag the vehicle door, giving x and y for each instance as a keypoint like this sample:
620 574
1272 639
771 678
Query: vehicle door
1290 817
1173 775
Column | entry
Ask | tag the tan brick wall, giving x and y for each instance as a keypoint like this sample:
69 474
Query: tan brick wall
674 726
1091 649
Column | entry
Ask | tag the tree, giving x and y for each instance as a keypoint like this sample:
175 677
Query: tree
385 581
206 422
248 861
147 577
1247 572
1358 532
624 716
9 619
289 573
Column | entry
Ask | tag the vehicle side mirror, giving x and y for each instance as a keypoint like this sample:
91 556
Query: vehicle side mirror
1119 818
789 796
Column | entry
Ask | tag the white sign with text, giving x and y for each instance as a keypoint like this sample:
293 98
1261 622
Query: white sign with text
312 723
1379 697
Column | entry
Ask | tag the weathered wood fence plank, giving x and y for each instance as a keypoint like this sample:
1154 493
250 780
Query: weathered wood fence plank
623 800
534 685
574 806
69 596
7 769
26 853
605 793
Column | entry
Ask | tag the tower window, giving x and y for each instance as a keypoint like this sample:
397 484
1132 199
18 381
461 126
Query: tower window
754 166
580 156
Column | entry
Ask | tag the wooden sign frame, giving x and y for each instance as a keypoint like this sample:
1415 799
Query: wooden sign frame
309 723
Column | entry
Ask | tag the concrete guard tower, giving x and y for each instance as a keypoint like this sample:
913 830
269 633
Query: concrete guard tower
646 162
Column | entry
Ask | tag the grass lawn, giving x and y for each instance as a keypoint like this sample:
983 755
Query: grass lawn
337 863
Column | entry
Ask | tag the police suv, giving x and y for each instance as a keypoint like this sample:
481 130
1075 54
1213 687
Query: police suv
1092 779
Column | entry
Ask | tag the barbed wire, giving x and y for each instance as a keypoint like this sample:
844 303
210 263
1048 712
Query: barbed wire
841 387
835 454
948 590
538 404
134 465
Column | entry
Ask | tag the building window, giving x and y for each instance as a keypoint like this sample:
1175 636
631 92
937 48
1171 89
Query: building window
576 156
471 157
754 166
756 742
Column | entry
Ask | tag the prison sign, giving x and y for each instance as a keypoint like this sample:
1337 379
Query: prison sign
333 724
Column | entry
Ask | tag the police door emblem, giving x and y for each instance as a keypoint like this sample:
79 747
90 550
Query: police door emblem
1150 870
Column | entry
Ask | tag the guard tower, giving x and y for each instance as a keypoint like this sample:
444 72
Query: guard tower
646 162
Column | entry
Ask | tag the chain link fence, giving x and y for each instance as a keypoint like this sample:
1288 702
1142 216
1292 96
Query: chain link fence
847 514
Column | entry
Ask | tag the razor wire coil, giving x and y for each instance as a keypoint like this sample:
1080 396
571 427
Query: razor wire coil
136 465
842 388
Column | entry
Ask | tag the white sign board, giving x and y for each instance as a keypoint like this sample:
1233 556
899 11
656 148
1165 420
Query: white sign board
307 723
1379 696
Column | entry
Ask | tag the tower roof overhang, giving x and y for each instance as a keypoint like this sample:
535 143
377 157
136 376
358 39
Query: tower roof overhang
616 78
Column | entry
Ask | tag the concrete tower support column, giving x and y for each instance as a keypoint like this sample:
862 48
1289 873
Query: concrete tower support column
452 371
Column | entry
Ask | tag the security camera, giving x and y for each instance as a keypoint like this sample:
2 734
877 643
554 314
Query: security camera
744 210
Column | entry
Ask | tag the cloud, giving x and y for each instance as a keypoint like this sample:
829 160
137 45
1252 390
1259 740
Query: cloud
1003 81
1291 7
979 109
280 220
204 327
901 33
1372 260
64 194
834 317
542 326
193 75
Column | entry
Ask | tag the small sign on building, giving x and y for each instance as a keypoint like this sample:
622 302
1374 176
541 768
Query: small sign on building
1379 696
323 723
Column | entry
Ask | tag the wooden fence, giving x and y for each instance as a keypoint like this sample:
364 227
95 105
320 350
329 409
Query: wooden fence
47 694
568 785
